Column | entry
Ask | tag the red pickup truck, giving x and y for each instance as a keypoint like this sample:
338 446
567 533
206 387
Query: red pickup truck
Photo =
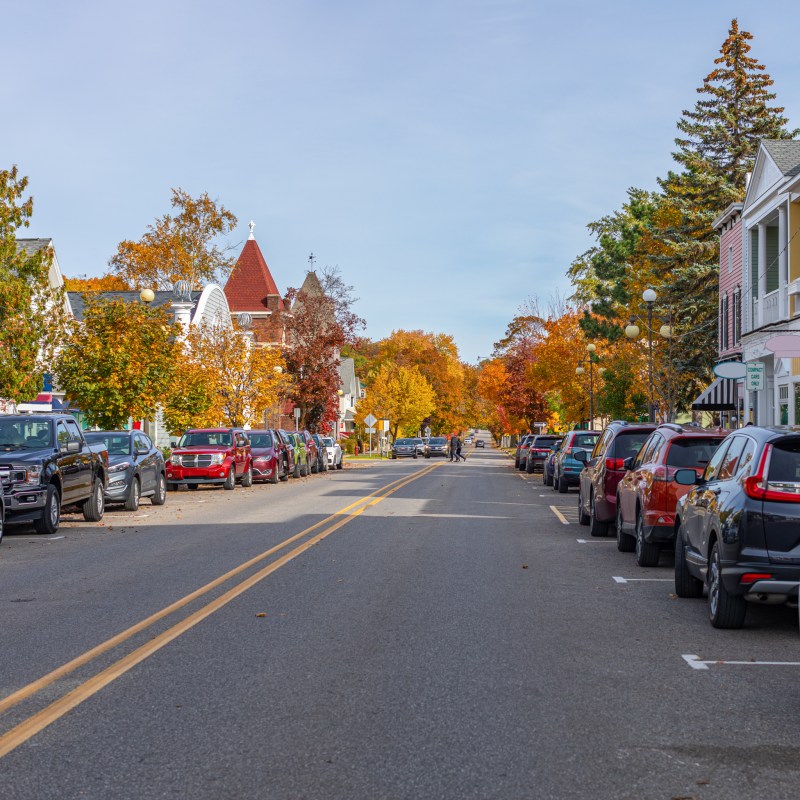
213 456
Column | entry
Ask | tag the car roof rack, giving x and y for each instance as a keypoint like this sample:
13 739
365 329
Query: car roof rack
619 422
673 426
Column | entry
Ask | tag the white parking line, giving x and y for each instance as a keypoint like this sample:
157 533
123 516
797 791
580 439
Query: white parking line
564 520
696 663
596 541
619 579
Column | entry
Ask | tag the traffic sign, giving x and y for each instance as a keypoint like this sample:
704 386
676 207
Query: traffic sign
756 378
370 430
369 420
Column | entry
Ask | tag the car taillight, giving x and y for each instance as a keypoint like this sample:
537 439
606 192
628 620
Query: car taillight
615 463
759 488
752 577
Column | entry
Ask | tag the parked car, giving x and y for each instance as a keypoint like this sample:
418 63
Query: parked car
437 446
549 462
480 443
566 468
521 456
288 453
538 451
136 468
215 456
404 448
301 465
268 462
312 451
648 494
605 468
322 453
45 464
738 527
2 510
420 445
335 455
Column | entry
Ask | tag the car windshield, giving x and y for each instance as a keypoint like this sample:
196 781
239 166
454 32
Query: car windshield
25 434
206 439
629 444
117 444
260 439
585 440
784 463
691 452
405 441
438 440
327 442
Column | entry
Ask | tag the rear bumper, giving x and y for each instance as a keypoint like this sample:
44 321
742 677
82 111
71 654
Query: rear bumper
782 587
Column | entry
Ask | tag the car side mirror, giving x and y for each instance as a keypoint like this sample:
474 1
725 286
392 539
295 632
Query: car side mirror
687 477
73 447
173 444
627 463
580 455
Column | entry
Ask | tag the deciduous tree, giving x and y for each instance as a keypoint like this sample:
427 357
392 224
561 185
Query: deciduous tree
179 247
32 314
118 363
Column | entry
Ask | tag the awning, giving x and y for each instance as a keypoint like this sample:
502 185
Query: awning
722 395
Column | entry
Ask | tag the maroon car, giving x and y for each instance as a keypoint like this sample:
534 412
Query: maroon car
270 461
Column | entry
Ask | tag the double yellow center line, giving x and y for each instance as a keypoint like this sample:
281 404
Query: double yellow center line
40 720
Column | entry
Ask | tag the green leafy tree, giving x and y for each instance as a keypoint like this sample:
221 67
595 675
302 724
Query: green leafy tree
32 314
118 363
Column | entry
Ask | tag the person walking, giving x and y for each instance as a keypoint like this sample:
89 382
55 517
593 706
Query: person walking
459 455
455 443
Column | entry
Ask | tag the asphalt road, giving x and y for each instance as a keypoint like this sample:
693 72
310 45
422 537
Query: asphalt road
456 639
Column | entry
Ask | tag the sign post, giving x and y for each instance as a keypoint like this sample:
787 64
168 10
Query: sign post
369 421
296 417
756 378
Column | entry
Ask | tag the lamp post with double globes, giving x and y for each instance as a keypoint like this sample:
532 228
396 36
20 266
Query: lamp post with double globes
666 331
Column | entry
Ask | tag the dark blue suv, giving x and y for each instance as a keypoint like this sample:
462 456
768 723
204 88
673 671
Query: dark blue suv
737 532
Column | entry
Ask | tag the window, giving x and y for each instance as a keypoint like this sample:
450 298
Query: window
629 443
746 463
74 430
724 338
261 440
713 466
646 450
730 259
783 404
737 315
62 436
602 443
691 452
731 461
784 464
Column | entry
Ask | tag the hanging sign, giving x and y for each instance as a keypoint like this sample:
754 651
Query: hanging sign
756 378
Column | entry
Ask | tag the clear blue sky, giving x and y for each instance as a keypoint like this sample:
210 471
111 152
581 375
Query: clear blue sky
446 154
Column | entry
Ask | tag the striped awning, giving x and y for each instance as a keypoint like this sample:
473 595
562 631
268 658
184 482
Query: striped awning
722 395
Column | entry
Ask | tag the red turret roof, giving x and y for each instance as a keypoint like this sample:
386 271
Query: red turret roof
251 282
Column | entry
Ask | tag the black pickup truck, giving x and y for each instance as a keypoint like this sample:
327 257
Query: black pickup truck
45 463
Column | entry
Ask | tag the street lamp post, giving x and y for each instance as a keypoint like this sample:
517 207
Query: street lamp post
649 296
591 348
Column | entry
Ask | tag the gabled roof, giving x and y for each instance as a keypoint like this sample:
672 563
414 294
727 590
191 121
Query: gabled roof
31 246
161 299
251 282
786 155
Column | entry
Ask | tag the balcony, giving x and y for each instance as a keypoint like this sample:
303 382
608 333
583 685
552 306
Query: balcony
770 311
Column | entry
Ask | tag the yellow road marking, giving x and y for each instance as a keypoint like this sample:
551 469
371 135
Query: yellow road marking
563 519
35 686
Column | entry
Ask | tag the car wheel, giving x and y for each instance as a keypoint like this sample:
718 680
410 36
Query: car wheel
647 553
415 455
134 495
314 468
554 484
51 513
340 465
394 457
159 497
516 463
296 470
276 476
625 543
583 519
284 476
596 528
686 585
93 507
247 478
724 610
304 469
563 488
230 480
547 479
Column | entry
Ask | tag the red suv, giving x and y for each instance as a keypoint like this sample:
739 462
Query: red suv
604 469
648 494
211 455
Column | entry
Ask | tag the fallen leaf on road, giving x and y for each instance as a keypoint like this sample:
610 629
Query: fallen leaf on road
261 614
703 782
524 566
673 596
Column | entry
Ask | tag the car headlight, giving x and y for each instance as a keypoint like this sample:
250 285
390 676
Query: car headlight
175 460
32 475
121 467
217 458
